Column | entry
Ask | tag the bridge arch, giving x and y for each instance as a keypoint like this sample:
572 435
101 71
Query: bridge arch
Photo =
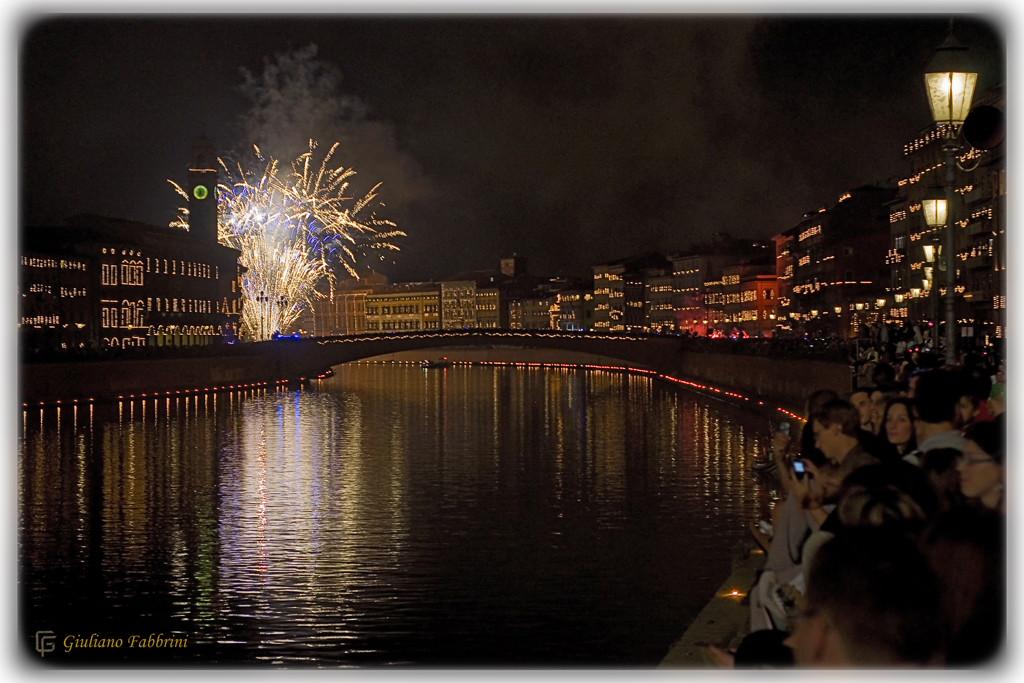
314 355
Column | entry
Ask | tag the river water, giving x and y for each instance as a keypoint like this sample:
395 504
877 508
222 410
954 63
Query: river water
473 516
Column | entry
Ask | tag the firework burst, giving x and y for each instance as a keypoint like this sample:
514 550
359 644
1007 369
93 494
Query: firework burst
293 233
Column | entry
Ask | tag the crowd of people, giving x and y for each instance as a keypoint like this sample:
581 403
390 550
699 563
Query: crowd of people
887 547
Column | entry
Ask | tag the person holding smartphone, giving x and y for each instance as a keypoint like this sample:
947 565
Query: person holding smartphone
792 523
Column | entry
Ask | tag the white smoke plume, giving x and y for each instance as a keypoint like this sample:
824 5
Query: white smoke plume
298 98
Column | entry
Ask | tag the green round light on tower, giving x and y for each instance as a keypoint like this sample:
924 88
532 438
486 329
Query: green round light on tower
200 192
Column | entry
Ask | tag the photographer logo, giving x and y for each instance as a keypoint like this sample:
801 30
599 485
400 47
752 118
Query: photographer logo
44 642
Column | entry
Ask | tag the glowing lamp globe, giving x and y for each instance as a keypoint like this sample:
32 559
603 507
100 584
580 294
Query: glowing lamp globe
950 82
934 207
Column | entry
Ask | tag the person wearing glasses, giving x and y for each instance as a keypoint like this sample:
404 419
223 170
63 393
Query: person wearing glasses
982 470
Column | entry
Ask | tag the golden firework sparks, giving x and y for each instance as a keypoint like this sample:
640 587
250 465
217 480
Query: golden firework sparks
292 232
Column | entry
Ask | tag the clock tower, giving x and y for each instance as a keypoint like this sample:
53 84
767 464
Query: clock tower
202 190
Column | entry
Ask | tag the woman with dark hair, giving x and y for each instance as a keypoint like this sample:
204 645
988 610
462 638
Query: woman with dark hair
982 470
898 427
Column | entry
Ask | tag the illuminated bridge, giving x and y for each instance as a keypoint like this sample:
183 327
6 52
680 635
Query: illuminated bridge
206 369
651 351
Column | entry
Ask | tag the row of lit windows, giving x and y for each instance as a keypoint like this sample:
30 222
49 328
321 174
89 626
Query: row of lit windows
398 310
392 325
976 251
400 325
170 267
63 264
922 141
41 320
986 212
748 315
186 268
916 178
131 312
183 306
809 232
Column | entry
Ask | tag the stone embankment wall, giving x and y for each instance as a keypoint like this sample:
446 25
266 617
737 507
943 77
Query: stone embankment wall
782 380
106 380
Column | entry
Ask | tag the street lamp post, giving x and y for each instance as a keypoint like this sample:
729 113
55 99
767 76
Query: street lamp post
950 85
934 207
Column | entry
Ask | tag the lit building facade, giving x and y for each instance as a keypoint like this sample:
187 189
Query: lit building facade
488 308
917 288
609 298
109 283
620 293
634 301
403 307
688 276
749 298
698 298
458 305
568 310
533 313
659 304
839 272
345 311
785 267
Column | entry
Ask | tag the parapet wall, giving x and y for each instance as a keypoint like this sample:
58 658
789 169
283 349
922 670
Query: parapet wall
785 380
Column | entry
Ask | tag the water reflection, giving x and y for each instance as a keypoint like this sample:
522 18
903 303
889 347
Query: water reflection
390 515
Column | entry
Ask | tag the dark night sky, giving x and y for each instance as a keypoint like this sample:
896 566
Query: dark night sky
571 140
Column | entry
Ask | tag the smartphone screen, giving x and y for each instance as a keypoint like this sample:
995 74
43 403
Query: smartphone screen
798 467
